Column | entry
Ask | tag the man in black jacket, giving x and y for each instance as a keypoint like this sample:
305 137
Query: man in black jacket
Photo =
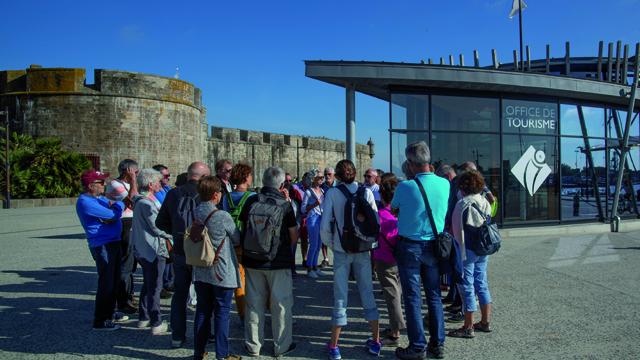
174 217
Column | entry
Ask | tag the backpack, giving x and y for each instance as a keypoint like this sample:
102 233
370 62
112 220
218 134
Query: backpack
198 248
262 228
361 224
235 210
484 239
187 207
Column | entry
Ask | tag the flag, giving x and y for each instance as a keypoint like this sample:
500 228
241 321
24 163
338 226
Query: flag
515 7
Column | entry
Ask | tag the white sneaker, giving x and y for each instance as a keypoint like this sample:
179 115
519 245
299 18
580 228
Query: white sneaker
312 274
320 273
108 325
119 317
160 329
143 324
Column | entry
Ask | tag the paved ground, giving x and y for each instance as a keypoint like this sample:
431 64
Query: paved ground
571 297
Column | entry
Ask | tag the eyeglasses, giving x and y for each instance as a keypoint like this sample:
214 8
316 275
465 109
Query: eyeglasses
328 174
368 176
101 182
166 176
226 170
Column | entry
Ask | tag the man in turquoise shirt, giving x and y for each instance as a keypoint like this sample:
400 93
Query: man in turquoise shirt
417 264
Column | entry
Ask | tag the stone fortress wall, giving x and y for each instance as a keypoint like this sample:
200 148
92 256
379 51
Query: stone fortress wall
149 118
295 154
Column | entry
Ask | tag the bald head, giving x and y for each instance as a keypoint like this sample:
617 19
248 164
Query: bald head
197 170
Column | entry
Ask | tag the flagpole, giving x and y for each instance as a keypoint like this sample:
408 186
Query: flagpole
520 21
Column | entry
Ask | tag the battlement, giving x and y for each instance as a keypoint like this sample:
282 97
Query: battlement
233 135
64 81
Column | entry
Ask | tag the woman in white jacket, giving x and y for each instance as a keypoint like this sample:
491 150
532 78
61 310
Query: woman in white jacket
471 211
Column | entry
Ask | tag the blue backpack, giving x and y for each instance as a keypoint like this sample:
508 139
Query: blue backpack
484 239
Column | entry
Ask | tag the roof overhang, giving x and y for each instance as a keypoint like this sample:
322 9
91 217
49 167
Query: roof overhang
378 79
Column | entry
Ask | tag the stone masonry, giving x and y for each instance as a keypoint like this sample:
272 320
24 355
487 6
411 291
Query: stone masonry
149 118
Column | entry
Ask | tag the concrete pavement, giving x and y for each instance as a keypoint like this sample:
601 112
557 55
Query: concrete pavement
574 296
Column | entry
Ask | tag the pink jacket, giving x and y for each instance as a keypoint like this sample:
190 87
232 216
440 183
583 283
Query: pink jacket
387 238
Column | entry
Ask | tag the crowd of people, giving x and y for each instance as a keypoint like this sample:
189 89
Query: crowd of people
379 230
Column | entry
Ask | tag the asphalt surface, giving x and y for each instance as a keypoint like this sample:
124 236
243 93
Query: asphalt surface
560 298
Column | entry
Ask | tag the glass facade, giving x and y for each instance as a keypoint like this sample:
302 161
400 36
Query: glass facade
545 160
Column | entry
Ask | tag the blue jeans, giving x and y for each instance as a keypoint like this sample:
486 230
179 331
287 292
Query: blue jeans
417 265
361 264
475 281
216 301
107 258
313 228
149 306
181 283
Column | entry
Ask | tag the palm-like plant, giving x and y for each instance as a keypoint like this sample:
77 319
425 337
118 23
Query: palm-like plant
40 168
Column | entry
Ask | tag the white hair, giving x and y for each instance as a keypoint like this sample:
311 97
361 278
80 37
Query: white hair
273 177
146 177
418 153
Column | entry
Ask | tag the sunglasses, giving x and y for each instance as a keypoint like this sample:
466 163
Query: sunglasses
368 176
101 182
166 176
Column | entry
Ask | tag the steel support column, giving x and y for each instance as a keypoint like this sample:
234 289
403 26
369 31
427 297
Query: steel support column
351 123
624 147
589 155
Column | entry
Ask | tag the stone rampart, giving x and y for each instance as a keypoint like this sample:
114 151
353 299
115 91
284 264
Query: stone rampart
149 118
295 154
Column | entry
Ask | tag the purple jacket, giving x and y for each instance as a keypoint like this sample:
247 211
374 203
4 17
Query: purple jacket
388 237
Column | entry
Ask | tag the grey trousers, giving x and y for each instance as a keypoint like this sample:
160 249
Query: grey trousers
392 291
276 286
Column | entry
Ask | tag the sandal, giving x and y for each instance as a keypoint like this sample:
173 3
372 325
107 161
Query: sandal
482 327
462 333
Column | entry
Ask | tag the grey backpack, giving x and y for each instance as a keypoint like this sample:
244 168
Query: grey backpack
262 228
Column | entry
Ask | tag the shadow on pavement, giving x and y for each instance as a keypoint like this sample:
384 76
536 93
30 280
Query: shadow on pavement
63 236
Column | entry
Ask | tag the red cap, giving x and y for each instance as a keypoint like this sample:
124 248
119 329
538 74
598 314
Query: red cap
92 175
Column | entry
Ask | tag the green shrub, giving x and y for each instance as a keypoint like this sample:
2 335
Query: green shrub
40 168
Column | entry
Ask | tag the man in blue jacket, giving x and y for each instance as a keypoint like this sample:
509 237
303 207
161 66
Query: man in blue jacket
100 219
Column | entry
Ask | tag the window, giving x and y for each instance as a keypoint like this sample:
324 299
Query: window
578 193
465 113
529 117
409 111
530 165
570 120
399 141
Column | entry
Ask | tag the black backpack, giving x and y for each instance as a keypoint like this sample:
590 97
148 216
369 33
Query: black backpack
187 205
484 239
361 223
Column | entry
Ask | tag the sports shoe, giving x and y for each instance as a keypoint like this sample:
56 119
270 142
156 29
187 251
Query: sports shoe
455 318
324 263
119 317
435 352
334 353
409 354
462 333
143 324
387 339
482 327
249 352
160 329
373 347
107 325
176 344
312 274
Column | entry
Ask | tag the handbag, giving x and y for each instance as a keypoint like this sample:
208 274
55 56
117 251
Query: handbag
443 241
198 248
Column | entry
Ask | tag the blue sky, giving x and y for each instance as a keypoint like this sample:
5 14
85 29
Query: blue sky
247 56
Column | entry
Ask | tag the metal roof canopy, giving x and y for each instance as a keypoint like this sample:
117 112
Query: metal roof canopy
377 78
